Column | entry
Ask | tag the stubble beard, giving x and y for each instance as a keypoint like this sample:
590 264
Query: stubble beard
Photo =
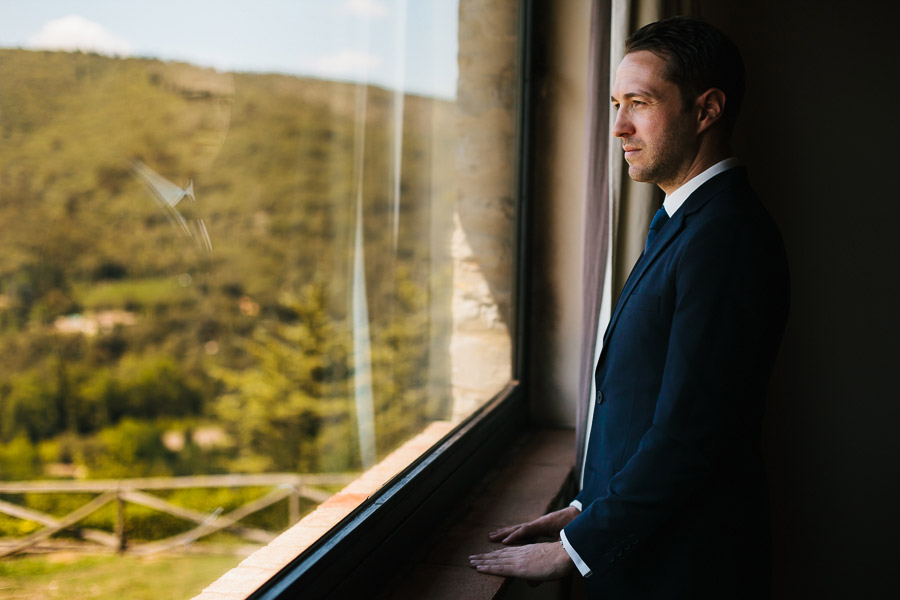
664 163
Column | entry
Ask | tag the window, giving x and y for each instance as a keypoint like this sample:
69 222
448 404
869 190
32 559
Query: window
273 240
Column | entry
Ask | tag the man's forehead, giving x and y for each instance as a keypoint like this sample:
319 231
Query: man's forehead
641 72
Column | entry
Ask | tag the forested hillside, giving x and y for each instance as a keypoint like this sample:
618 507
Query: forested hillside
129 346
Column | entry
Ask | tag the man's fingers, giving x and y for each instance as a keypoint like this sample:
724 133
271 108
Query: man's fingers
513 534
546 526
522 533
497 556
508 534
498 562
538 562
501 534
508 559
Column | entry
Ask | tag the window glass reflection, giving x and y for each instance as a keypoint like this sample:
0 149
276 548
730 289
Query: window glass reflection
240 242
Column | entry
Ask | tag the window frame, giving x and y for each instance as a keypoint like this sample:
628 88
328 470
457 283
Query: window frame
385 532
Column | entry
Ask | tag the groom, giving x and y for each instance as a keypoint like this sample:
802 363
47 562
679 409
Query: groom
673 500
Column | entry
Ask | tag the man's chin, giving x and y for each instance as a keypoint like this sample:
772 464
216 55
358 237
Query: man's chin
638 174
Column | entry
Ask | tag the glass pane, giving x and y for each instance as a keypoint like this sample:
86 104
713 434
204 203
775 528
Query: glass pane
250 240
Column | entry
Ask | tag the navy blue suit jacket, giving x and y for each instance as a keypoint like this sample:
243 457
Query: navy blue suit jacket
674 499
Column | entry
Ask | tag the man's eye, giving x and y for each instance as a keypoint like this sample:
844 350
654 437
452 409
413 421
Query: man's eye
637 103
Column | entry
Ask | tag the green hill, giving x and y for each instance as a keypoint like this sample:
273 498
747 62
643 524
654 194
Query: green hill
253 335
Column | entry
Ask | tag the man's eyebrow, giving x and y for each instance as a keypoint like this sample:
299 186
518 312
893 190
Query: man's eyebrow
626 96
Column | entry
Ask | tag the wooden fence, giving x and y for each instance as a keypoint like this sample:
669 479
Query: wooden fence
122 491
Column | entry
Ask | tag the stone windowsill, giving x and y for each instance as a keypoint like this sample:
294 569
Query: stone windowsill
535 478
525 486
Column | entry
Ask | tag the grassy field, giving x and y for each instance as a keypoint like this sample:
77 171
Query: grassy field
118 294
81 577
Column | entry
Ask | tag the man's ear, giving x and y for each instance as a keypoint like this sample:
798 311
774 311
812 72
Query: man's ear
710 107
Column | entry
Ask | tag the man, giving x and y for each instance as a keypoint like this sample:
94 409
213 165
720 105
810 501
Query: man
673 498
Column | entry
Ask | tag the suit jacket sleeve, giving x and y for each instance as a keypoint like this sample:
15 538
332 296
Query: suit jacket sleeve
728 282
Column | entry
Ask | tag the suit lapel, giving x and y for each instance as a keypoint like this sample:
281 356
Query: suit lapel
667 235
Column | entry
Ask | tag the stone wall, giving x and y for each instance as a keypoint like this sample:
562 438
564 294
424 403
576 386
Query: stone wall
483 240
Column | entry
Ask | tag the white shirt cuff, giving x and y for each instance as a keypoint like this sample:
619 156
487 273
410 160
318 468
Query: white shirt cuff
579 564
576 504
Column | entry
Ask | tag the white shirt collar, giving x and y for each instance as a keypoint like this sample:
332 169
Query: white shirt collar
674 201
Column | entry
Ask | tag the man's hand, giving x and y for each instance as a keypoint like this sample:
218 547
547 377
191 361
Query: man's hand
535 562
547 526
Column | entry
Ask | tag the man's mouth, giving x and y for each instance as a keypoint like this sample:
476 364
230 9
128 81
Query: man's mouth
631 151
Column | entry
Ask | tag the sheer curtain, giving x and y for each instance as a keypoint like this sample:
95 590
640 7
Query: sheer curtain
617 210
597 208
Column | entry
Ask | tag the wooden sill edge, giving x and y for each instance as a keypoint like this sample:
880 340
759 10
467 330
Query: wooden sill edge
533 478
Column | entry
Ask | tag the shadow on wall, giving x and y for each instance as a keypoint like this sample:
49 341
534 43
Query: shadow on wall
822 162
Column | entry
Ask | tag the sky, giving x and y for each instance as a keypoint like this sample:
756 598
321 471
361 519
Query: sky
409 45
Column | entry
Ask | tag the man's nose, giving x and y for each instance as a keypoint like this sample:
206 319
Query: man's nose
622 126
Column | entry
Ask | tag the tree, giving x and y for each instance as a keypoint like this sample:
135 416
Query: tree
19 459
291 409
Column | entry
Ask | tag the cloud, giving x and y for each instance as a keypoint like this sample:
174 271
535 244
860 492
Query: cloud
346 62
370 9
77 33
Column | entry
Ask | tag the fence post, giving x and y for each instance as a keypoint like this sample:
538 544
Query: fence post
294 505
120 521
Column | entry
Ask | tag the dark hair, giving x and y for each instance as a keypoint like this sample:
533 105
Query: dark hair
699 57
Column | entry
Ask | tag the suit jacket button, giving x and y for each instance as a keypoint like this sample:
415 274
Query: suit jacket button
599 397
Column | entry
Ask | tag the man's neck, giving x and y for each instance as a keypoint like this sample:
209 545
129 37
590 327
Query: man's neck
674 200
710 152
